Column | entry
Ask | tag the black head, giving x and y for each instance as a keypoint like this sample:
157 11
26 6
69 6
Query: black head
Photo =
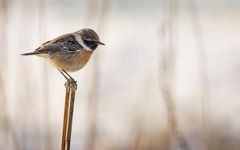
90 38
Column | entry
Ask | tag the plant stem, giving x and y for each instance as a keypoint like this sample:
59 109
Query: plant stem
71 87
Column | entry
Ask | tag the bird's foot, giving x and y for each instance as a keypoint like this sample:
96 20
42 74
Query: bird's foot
71 83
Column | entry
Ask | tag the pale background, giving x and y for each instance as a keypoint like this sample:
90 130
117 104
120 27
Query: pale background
167 79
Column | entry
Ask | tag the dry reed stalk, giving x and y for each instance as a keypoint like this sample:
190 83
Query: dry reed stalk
71 87
167 77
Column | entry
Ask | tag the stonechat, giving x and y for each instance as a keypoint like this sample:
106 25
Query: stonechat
69 52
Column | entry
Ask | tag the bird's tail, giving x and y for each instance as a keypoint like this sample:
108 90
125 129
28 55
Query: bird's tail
31 53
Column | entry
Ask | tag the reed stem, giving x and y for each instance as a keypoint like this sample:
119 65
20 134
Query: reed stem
71 87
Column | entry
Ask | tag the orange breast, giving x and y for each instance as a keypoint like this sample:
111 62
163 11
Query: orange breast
71 62
83 58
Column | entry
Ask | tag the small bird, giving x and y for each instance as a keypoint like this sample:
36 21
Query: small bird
69 52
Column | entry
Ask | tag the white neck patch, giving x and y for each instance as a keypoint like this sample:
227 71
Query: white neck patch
80 41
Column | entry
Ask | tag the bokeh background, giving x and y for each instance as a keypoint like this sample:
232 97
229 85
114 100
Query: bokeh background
167 79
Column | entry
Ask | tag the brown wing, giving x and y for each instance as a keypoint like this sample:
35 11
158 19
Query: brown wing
61 44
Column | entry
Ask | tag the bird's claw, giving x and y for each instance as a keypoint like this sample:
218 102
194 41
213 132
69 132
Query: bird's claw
71 83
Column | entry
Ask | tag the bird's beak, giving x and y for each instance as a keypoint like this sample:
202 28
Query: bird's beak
100 43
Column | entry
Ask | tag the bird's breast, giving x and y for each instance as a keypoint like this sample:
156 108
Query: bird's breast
71 61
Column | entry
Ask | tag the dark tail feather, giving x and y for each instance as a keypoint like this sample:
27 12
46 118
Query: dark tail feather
31 53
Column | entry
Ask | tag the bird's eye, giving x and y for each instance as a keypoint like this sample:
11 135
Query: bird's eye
89 42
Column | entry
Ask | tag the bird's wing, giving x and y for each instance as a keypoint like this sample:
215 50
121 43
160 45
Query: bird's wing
68 42
64 43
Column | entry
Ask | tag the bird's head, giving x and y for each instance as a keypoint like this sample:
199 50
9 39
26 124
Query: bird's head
89 39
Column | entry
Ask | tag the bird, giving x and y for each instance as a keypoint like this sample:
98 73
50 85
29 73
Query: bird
69 52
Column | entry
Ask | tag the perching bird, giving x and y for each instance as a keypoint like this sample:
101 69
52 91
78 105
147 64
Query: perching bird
69 52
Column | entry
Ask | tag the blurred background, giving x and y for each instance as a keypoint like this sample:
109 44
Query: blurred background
167 78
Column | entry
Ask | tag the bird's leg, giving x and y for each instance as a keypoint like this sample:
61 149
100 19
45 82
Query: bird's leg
63 75
70 80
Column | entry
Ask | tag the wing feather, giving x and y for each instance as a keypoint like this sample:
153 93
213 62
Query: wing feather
63 43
